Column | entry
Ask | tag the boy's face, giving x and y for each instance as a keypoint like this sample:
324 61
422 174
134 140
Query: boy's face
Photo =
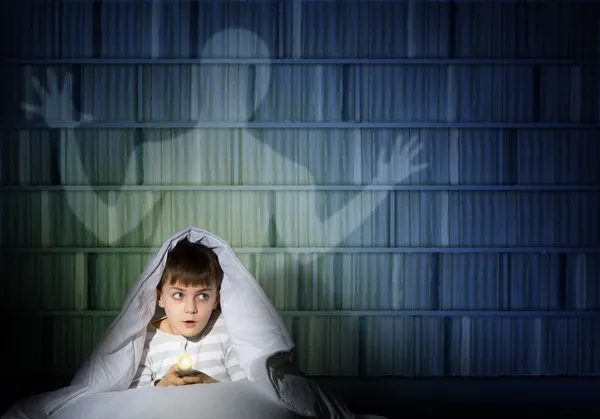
188 309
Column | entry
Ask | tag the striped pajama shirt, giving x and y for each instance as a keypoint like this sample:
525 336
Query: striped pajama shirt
211 354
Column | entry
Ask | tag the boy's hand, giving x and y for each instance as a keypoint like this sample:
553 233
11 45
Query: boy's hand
172 378
206 379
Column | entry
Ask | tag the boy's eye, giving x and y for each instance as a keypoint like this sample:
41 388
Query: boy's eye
204 296
178 295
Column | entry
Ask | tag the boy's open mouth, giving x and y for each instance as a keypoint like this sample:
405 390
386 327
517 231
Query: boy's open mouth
189 323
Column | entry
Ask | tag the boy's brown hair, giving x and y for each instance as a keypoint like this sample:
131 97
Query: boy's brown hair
192 264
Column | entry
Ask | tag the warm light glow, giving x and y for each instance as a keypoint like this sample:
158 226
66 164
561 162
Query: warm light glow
184 362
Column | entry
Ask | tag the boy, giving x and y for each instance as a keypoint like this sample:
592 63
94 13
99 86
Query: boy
189 293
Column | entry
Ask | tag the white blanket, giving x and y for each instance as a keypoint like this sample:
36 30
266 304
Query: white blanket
257 332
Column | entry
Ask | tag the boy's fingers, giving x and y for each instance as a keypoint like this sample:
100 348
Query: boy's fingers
177 381
173 376
208 379
192 379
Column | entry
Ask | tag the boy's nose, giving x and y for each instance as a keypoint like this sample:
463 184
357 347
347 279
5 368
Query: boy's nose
190 307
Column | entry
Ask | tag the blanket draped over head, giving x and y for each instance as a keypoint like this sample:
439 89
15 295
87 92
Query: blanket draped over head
257 333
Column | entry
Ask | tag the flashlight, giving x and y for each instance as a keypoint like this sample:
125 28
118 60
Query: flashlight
184 365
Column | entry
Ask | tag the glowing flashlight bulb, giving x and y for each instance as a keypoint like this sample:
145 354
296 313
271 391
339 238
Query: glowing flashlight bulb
184 363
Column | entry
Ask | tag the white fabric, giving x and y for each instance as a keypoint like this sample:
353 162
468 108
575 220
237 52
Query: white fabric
258 335
211 354
231 400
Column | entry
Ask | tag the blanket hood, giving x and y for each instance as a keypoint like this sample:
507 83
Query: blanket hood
256 330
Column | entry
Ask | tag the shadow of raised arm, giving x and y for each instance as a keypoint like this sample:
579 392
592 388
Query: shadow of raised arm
400 164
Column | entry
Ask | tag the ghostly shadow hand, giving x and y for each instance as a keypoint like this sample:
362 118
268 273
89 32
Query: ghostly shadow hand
400 164
57 109
56 103
395 168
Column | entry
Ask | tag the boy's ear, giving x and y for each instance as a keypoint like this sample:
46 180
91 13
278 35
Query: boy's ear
159 299
217 301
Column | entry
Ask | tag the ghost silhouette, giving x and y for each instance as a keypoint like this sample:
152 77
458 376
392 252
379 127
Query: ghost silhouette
252 84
